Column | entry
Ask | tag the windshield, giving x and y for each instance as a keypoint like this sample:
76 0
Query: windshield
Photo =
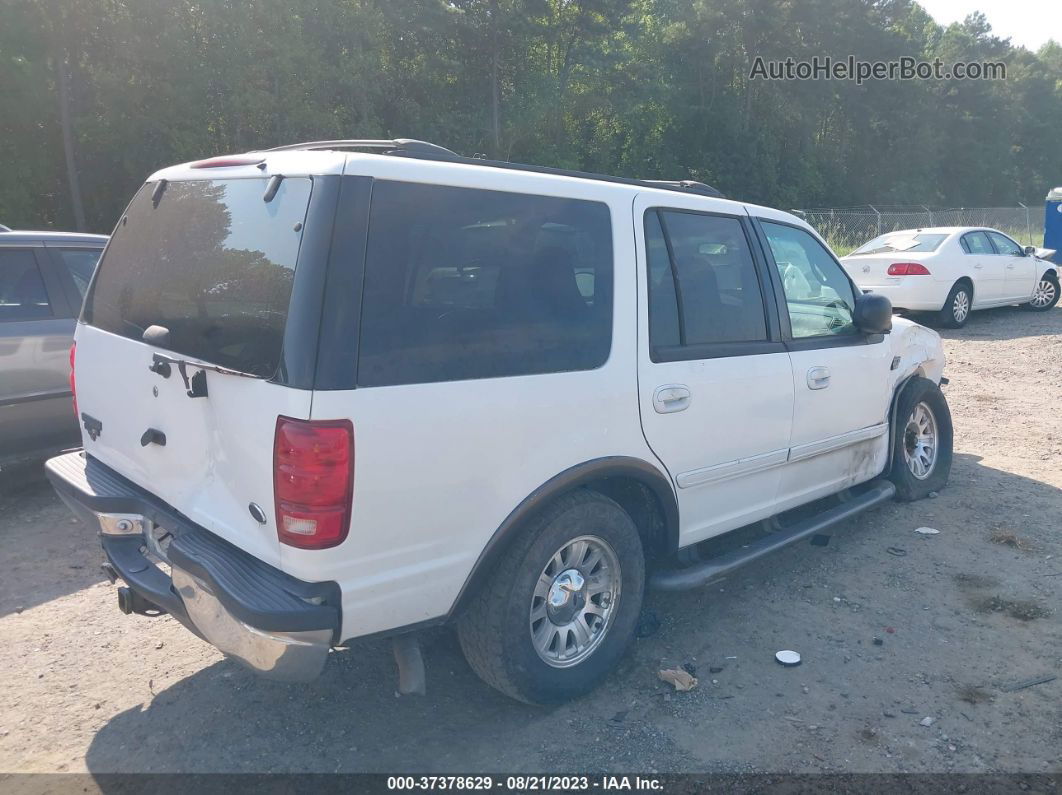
901 241
213 263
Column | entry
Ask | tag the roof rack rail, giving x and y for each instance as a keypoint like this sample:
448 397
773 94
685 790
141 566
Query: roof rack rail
410 147
688 185
386 146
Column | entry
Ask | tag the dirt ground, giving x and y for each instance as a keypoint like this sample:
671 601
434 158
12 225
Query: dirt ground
961 617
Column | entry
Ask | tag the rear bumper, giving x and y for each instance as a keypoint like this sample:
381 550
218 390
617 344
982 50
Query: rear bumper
279 626
913 293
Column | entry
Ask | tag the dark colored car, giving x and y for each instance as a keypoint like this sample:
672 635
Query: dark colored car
43 277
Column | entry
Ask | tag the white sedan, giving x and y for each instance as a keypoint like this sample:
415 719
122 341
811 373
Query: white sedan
953 270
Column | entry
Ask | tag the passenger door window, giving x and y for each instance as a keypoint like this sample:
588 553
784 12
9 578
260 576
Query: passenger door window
22 292
464 283
819 296
703 286
1004 245
977 243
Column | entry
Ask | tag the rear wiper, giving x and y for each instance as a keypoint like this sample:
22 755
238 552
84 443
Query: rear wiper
214 368
195 385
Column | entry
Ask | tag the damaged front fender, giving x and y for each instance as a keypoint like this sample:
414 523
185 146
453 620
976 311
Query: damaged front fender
916 350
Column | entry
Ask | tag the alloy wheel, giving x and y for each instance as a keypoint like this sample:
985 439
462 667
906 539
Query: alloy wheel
1044 293
920 441
575 601
960 307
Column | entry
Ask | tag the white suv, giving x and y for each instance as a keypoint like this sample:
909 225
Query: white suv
359 387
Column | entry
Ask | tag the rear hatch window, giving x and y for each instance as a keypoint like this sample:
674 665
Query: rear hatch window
212 262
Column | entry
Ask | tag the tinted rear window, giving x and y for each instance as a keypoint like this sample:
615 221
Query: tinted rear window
901 241
213 263
464 283
79 263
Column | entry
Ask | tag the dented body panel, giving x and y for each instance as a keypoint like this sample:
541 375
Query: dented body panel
919 350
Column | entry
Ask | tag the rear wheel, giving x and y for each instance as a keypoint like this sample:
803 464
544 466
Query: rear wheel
561 607
922 442
1046 294
956 310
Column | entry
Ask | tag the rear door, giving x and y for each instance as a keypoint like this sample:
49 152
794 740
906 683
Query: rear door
714 381
1019 275
986 268
74 266
839 375
36 327
211 264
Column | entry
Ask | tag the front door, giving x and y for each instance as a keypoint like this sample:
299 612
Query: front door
986 268
840 375
715 385
1019 271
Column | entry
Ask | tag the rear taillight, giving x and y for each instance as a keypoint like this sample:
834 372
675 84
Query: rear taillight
313 481
73 386
908 269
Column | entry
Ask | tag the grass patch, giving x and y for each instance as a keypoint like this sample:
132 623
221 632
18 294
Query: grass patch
973 694
975 581
1021 609
1009 538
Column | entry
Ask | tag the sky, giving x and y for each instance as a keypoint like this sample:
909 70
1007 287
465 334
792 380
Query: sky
1026 22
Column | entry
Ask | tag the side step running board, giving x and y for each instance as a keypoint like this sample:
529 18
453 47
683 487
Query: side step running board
705 572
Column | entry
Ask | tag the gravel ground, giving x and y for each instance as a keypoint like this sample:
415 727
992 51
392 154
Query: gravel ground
960 617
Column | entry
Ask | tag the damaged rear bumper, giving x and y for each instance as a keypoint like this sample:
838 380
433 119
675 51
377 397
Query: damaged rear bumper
277 625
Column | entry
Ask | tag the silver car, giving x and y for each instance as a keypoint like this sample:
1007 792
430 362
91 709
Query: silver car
43 278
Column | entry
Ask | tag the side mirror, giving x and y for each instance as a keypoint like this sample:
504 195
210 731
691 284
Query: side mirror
1030 251
873 314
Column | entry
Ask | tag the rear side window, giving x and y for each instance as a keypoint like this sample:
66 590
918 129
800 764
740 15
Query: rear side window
463 283
79 263
977 243
703 286
22 293
214 263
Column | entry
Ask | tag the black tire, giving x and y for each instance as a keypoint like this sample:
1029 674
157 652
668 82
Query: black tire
1049 285
909 485
951 314
495 631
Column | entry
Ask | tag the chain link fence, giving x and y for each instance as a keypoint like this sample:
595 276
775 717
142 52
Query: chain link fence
847 228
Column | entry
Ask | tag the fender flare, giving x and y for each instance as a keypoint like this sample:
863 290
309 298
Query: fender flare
893 408
572 478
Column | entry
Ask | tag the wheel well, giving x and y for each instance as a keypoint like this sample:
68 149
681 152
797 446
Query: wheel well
638 487
644 508
964 280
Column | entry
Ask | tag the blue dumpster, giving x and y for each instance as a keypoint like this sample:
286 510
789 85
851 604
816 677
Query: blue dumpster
1053 223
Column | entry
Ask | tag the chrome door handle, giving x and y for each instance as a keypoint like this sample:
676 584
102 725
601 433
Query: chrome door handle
671 398
818 378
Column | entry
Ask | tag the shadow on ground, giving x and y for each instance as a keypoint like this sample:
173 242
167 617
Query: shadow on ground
44 552
223 718
1001 323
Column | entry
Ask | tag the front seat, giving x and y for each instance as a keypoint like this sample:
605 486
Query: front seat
553 289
